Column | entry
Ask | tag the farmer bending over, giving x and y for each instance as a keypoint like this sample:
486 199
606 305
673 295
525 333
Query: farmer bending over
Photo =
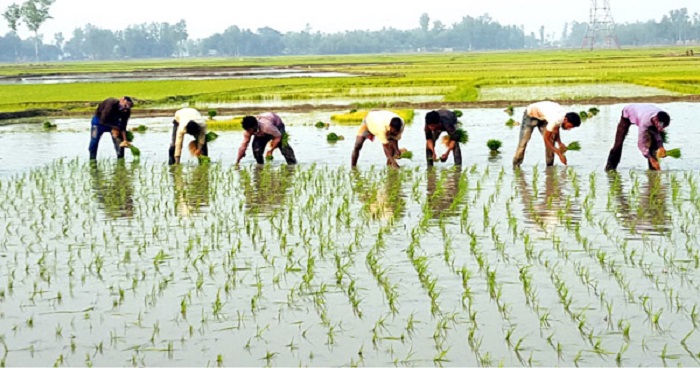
111 115
650 121
437 122
266 127
190 121
387 127
548 117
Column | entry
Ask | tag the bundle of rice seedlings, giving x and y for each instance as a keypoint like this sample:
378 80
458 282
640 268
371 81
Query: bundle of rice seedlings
285 139
494 144
574 146
332 137
458 113
675 153
141 128
593 111
406 154
320 124
135 151
583 115
211 137
129 136
204 160
511 123
460 136
49 125
509 110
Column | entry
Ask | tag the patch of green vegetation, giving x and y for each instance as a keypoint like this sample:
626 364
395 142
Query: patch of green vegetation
226 125
574 146
333 137
357 116
494 144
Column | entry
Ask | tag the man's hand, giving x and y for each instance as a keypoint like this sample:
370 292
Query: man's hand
654 164
124 144
444 157
269 153
562 158
661 153
563 148
198 152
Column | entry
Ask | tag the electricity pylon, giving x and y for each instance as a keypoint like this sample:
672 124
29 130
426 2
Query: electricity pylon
600 30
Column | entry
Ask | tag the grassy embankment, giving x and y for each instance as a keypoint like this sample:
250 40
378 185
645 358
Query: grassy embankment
450 78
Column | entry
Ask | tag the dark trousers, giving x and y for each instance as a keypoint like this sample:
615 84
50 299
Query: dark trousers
260 142
623 127
526 127
456 152
171 150
96 131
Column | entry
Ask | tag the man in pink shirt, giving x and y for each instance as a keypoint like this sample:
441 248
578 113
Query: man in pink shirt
650 121
266 127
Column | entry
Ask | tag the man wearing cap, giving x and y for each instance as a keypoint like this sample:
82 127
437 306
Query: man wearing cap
111 115
387 127
189 121
548 117
650 121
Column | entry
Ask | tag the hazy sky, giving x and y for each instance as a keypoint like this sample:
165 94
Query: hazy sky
206 17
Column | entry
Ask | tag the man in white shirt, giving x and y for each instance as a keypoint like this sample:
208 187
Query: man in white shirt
548 117
387 128
190 121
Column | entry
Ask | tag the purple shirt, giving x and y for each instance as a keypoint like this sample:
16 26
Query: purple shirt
640 114
269 123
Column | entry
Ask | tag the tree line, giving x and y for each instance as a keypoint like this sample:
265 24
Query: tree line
163 40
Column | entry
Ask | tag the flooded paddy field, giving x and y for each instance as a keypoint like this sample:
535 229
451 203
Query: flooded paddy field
139 263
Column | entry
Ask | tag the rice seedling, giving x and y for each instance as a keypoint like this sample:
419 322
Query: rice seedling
321 125
573 146
333 137
140 128
212 114
406 154
675 153
494 145
49 125
211 136
593 111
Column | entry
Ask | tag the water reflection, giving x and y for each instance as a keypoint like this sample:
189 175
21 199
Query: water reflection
265 187
191 189
547 208
382 197
114 189
442 192
644 208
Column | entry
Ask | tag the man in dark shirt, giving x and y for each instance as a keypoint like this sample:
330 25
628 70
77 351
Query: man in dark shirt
111 115
437 122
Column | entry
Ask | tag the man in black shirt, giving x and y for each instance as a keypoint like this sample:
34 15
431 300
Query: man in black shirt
437 122
111 115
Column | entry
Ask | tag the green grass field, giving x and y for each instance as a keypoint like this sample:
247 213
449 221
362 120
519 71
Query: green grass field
453 77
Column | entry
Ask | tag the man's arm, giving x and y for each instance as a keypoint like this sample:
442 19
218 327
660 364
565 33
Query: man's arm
243 147
429 144
450 148
202 139
549 143
389 153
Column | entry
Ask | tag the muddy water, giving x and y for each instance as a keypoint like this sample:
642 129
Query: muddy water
136 263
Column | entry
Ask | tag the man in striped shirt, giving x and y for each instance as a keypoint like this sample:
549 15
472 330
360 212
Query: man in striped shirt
548 117
650 121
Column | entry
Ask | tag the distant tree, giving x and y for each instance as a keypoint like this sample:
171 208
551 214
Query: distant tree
424 21
542 36
34 14
12 15
58 40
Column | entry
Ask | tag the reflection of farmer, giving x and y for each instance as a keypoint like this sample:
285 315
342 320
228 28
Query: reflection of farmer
649 214
437 122
387 127
548 117
650 122
111 115
114 190
191 192
266 127
543 208
442 193
383 198
188 121
265 187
